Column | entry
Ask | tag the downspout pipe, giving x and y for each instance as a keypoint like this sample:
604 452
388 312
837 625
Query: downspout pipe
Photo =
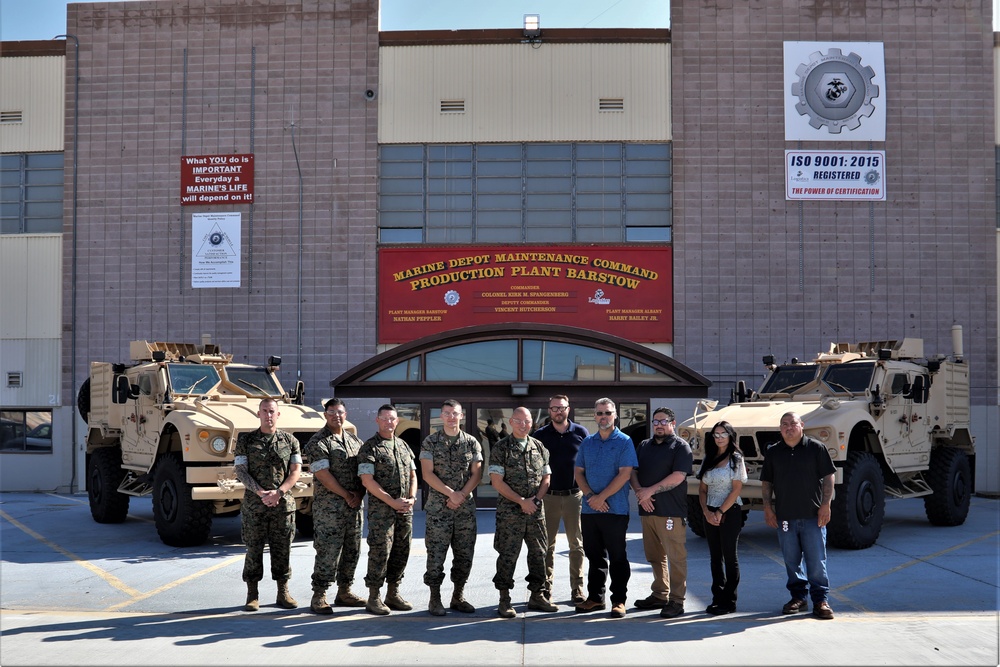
72 352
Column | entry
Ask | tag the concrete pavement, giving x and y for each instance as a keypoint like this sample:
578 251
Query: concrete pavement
74 592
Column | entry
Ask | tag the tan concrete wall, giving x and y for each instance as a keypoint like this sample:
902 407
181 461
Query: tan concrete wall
521 92
34 87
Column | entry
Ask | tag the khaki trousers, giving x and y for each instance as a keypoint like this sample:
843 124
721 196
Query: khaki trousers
666 551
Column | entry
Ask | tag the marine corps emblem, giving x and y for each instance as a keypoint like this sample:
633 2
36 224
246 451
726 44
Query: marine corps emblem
835 90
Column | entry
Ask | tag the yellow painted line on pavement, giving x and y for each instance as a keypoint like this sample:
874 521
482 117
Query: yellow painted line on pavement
111 579
173 584
918 561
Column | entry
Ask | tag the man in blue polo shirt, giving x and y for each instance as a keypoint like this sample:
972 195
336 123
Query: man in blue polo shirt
604 466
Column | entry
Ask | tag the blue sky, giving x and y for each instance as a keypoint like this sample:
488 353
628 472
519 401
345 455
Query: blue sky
44 19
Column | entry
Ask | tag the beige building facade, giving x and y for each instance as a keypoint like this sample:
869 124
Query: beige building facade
315 92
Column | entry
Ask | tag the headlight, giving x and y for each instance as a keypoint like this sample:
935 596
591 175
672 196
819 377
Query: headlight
823 434
218 444
685 433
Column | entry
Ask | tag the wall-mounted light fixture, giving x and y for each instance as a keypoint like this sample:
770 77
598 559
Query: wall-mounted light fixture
519 389
532 27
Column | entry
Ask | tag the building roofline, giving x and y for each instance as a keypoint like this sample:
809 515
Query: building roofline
37 47
516 35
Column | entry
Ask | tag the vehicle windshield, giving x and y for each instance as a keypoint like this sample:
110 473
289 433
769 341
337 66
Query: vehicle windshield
850 378
786 379
192 378
253 381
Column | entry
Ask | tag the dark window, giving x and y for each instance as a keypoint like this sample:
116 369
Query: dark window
525 193
31 193
26 431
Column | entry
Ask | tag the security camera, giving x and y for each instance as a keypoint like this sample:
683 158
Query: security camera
369 94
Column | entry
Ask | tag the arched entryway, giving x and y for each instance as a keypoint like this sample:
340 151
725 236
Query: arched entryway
492 370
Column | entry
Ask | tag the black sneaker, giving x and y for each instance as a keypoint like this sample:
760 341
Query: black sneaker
652 602
672 610
720 609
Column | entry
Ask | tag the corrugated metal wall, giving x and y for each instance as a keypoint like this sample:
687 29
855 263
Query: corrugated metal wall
30 318
34 86
521 92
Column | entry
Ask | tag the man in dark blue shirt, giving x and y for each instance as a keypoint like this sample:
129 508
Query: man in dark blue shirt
562 438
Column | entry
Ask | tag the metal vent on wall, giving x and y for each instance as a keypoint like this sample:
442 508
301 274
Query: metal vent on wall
11 116
14 379
452 106
611 104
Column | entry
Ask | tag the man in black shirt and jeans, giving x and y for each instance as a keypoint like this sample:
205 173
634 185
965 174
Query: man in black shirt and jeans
562 438
797 489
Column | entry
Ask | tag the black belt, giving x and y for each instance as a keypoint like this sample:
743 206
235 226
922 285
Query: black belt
567 492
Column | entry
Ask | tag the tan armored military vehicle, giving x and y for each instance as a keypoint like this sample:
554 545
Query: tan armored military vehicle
895 423
167 426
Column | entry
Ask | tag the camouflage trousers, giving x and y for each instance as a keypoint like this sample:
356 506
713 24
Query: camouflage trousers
275 528
449 528
514 527
389 537
337 540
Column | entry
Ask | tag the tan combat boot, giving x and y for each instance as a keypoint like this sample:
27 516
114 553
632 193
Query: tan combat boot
458 601
505 610
345 598
375 605
253 598
538 602
434 606
319 605
285 599
393 600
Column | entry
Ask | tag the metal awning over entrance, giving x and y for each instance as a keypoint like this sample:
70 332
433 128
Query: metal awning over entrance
491 370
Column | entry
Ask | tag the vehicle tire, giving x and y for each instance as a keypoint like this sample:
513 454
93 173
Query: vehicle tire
304 524
949 476
859 504
180 520
83 400
696 520
104 476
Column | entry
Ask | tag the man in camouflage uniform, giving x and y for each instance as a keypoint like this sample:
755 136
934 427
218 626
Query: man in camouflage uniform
452 462
387 471
336 509
519 470
268 462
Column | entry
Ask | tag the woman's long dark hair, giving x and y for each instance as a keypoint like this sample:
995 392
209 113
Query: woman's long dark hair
712 454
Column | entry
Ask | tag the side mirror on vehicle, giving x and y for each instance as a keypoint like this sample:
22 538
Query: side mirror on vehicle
300 393
122 391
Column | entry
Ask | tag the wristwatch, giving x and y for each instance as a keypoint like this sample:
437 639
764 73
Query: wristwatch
537 501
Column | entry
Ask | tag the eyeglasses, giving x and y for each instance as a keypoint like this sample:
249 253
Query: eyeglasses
558 408
451 415
604 414
389 419
720 436
522 422
661 422
336 412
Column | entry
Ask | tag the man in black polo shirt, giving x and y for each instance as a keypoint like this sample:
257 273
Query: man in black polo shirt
665 461
562 438
797 488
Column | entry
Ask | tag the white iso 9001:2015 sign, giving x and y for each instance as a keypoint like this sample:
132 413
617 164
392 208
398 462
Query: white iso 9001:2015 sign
835 175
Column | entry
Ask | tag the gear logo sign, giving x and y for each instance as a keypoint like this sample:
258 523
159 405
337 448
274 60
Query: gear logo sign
835 90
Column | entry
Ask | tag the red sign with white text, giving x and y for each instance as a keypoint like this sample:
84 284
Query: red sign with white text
216 179
625 291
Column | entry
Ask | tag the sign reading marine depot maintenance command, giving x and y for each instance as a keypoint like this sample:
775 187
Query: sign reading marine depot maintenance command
624 291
